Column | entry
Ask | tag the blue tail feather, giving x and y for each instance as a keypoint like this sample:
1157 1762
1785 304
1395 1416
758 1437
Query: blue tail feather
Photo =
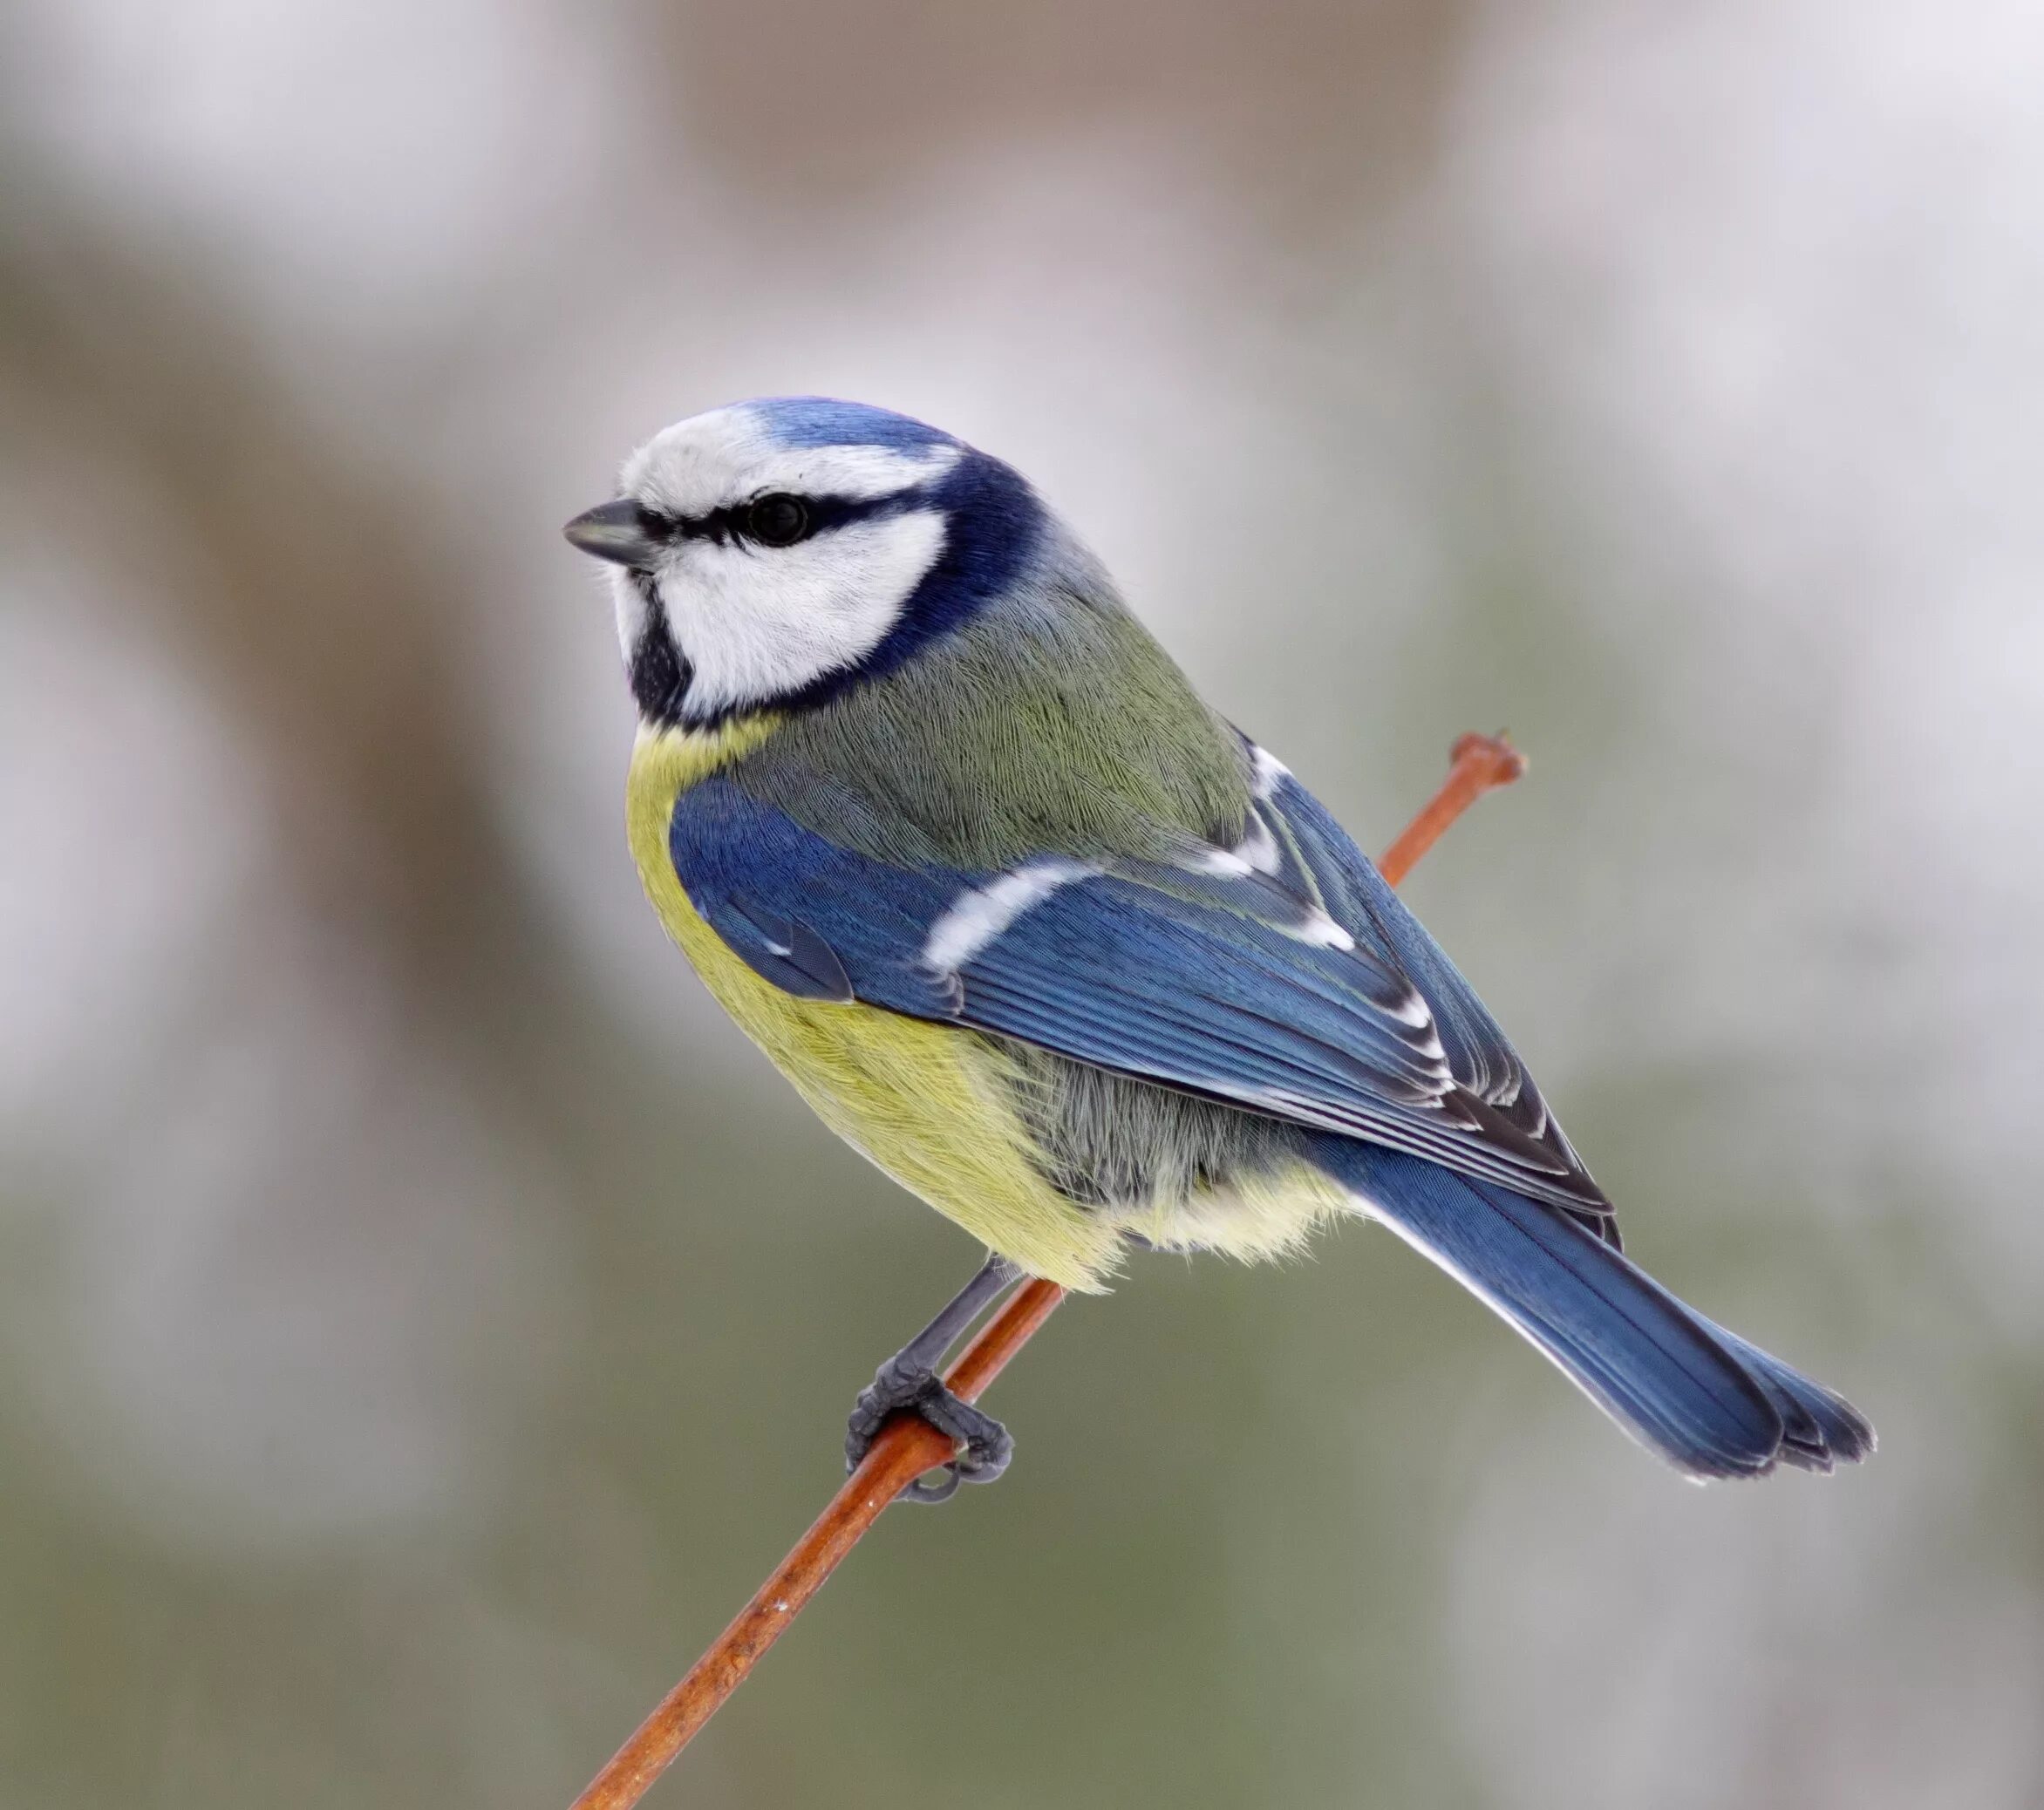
1820 1428
1710 1403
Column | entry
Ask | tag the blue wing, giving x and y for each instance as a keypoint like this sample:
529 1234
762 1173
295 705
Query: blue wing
1283 974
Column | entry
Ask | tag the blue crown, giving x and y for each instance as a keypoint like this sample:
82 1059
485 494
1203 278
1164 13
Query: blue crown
824 421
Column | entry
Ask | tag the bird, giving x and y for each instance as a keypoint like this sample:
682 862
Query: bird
1046 937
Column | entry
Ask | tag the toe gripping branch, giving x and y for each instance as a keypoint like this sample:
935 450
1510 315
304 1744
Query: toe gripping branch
917 1390
1480 763
908 1383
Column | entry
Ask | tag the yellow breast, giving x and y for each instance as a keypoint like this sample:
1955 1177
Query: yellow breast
928 1103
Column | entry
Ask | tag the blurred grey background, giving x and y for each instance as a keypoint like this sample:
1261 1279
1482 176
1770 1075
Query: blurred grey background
423 1319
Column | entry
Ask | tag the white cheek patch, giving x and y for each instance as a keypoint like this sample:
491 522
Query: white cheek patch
757 622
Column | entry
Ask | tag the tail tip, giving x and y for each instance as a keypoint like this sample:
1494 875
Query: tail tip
1820 1429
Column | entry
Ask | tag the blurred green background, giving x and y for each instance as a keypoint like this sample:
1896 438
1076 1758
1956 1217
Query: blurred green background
423 1319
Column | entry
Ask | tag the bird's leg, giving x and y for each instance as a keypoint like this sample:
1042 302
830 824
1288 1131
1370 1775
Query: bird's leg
908 1383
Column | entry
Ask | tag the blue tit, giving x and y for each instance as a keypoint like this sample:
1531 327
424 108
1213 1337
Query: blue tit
1063 951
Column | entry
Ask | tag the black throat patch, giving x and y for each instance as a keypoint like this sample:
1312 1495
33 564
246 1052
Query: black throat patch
660 678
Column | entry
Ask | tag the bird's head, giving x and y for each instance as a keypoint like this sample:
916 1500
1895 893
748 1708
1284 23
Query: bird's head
772 553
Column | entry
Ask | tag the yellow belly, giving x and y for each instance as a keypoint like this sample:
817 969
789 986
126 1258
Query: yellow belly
925 1102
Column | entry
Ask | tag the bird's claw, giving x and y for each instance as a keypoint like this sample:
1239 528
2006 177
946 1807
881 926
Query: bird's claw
900 1387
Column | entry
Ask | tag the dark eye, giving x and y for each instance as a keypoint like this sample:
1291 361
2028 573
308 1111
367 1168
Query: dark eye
777 521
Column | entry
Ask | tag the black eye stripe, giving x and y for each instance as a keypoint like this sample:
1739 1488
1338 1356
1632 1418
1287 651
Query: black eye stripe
732 521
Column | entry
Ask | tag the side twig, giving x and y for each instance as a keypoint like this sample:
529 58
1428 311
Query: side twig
906 1447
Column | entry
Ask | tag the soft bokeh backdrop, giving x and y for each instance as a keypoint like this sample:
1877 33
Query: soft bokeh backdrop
423 1319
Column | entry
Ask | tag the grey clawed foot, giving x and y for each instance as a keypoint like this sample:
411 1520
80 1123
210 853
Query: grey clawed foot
904 1386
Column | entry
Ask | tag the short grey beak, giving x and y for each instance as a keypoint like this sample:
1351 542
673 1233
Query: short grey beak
615 532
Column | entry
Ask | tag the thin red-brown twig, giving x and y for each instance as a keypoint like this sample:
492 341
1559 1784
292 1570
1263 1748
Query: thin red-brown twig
908 1448
1477 763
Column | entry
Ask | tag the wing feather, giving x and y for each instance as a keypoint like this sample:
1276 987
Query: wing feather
1214 976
